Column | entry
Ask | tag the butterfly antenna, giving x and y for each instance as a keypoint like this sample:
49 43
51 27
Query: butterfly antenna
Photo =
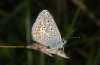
75 37
67 35
72 37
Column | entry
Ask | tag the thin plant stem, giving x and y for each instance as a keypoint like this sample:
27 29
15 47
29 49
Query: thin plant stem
28 31
73 22
12 46
75 17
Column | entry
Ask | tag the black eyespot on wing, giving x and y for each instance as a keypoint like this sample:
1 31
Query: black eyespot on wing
48 47
47 21
51 28
54 35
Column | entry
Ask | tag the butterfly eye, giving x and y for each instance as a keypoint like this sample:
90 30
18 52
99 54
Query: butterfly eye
63 41
50 21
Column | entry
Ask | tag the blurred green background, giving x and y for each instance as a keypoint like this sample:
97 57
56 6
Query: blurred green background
74 18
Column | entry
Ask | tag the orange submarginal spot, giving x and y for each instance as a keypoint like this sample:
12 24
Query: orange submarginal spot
38 32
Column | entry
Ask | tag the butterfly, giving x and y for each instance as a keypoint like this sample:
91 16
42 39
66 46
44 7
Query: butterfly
46 32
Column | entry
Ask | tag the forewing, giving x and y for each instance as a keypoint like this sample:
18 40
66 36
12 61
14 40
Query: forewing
45 30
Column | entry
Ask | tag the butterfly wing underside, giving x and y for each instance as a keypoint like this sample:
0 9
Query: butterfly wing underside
45 30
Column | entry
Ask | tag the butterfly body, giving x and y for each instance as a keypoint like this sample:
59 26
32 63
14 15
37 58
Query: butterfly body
45 31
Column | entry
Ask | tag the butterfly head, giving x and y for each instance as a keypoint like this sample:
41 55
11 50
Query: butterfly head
64 41
60 44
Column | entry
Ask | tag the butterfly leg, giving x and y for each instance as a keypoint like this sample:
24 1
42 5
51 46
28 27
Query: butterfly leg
62 48
53 50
